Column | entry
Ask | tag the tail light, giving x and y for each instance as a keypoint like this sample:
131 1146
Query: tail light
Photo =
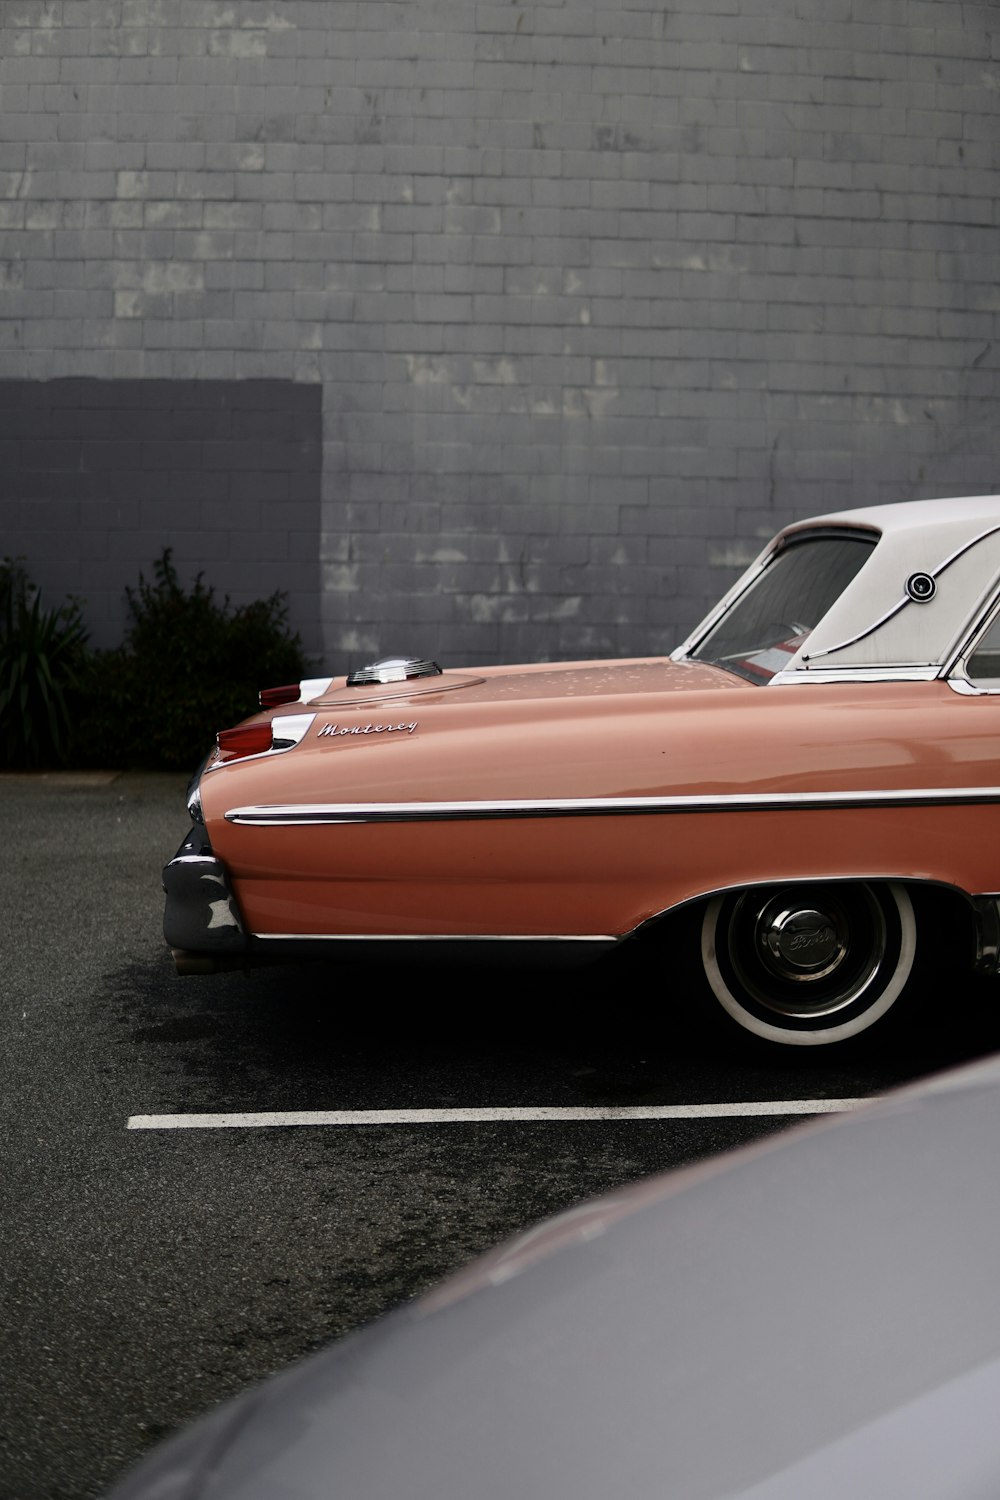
276 696
247 739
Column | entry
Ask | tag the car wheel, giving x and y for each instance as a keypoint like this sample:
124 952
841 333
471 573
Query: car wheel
809 964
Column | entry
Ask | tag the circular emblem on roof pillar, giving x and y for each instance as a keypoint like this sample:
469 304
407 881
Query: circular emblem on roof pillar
920 587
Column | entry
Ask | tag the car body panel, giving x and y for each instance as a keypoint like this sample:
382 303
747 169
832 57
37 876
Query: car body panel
574 821
815 1315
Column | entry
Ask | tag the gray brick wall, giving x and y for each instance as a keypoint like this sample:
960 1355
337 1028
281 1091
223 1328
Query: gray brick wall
596 295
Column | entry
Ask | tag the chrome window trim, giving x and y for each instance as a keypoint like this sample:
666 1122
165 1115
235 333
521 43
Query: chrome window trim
862 635
799 677
956 668
291 815
694 640
970 640
967 689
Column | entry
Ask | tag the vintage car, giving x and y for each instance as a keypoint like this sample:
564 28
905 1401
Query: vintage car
803 791
809 1318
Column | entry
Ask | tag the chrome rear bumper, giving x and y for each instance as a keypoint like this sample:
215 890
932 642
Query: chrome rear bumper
201 919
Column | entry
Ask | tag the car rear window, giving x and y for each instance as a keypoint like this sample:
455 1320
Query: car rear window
768 623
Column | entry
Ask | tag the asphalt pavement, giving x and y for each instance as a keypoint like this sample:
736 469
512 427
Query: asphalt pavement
147 1274
78 903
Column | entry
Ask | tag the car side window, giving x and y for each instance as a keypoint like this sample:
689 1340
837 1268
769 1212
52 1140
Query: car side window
983 666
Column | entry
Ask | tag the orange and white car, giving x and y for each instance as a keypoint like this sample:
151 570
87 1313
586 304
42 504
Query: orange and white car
802 792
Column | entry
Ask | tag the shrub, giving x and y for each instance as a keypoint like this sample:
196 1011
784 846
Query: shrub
188 667
42 659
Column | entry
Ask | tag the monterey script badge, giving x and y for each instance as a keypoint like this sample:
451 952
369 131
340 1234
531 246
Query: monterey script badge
336 730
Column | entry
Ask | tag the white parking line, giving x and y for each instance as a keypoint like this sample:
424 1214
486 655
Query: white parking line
492 1115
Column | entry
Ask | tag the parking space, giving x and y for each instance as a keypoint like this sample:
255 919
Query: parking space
203 1179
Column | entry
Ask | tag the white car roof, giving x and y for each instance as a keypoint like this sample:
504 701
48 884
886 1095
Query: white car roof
875 624
972 512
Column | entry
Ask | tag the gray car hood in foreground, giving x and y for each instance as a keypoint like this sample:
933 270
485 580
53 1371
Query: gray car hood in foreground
817 1316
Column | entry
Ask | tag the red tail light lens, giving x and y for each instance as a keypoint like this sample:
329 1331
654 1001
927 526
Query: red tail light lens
275 697
248 739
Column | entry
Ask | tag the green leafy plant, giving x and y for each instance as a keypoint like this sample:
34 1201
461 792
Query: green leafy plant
189 666
42 657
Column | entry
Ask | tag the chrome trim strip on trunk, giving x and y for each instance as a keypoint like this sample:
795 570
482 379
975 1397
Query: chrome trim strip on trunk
290 815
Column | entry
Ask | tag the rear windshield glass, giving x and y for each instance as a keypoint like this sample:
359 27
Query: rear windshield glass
770 620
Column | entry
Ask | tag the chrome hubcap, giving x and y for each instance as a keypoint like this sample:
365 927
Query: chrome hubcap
801 943
805 952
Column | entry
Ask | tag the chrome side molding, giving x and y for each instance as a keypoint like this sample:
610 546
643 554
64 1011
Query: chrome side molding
297 815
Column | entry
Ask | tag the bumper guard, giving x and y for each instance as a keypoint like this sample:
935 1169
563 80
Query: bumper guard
201 920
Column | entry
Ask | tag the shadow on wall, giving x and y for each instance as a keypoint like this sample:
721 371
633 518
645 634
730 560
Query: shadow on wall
99 476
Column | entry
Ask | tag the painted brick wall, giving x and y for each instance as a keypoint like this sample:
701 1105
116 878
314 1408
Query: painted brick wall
596 294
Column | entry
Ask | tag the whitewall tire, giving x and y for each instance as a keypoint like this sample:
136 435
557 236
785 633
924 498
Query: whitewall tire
809 964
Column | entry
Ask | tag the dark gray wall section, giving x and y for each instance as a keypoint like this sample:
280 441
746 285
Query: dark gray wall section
597 294
98 476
